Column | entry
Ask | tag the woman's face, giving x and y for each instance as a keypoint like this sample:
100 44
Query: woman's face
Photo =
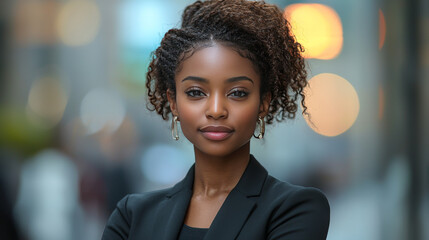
218 100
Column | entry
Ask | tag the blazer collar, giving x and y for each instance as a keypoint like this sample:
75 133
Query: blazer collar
231 217
253 179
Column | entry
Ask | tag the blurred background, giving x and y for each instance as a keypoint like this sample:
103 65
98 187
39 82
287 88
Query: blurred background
75 135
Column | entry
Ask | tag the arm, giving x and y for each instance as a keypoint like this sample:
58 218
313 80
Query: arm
304 215
118 225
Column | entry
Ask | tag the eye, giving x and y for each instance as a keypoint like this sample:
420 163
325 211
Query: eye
237 93
195 93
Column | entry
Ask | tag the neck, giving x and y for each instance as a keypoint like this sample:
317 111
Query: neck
216 175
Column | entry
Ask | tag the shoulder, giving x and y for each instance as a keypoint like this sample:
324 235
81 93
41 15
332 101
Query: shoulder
285 190
140 201
286 196
305 209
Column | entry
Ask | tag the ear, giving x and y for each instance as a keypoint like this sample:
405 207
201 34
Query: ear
172 100
265 104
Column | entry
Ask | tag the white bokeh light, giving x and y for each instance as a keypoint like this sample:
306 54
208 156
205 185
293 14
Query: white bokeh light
102 109
164 164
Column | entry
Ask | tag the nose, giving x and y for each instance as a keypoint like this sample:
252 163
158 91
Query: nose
216 107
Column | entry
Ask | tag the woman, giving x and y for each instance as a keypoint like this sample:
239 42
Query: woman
232 67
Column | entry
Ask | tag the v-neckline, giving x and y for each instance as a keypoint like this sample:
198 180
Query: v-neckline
232 215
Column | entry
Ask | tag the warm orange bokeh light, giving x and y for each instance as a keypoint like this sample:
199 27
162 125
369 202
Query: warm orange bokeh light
382 29
332 104
318 28
47 101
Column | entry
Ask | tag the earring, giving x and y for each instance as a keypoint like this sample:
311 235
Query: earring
261 123
174 131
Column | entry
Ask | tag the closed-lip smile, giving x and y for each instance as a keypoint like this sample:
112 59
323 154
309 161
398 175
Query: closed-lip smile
216 133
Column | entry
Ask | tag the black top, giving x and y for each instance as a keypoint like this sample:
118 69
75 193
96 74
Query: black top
259 207
191 233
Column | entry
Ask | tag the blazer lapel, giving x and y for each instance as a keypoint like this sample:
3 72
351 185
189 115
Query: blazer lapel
172 210
239 204
231 217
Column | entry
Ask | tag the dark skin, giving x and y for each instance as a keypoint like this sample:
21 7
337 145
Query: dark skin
218 103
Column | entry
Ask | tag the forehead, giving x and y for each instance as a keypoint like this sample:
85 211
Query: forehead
217 62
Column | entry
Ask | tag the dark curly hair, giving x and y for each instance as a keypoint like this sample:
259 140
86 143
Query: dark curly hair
256 30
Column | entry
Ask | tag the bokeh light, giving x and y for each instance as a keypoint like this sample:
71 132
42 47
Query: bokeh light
120 145
382 28
318 28
19 133
34 22
78 22
144 23
48 181
47 101
102 109
332 104
164 164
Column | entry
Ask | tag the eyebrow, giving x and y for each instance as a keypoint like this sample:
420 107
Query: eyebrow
229 80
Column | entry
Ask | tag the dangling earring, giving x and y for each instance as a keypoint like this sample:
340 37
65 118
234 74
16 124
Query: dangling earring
174 131
261 123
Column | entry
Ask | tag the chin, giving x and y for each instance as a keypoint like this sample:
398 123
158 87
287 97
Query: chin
220 150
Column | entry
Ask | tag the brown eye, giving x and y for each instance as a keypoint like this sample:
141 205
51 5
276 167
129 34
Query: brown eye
238 93
194 93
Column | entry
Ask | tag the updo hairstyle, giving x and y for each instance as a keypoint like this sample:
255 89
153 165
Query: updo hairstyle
256 30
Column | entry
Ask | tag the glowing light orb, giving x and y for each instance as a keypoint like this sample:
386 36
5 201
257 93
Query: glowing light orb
144 23
47 101
332 104
164 164
78 22
318 28
102 109
33 22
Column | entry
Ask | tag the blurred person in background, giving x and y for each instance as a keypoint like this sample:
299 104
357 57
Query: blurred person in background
231 68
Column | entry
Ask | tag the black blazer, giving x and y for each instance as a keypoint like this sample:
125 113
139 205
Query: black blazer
259 207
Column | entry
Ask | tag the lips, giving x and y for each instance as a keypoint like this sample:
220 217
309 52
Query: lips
216 133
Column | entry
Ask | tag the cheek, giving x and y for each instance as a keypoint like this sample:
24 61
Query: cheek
189 115
247 116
